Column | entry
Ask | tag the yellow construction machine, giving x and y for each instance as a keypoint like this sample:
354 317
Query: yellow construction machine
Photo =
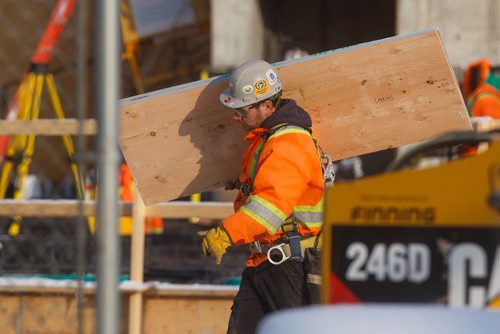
428 235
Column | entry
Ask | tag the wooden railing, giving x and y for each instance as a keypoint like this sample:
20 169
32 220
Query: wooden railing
74 208
49 127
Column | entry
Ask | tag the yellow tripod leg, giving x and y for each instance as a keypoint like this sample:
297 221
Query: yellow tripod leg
68 142
27 153
17 143
5 177
25 144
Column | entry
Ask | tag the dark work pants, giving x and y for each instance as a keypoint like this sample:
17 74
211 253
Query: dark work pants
264 289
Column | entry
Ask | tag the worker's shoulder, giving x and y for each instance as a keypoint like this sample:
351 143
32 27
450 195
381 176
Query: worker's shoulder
291 140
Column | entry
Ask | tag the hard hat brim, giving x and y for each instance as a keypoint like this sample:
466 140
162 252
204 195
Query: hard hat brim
233 102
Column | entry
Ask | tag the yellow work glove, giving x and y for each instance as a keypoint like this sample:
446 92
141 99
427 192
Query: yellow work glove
215 243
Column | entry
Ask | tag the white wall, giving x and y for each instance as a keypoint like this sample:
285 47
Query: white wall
237 32
470 28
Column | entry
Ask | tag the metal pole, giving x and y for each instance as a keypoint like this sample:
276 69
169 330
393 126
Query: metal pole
107 86
81 153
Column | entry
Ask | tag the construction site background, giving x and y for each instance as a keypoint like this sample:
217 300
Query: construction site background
263 29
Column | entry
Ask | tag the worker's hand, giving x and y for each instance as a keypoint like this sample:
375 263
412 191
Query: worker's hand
215 243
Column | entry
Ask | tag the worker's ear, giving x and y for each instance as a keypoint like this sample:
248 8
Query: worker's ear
269 107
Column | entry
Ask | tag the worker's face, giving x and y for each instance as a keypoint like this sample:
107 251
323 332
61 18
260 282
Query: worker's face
252 116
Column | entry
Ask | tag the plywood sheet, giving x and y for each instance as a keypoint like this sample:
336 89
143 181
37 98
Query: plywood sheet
387 93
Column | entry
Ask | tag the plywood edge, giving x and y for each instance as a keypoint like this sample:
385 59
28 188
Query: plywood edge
171 90
358 46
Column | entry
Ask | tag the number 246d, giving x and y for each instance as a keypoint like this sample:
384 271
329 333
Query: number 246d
396 262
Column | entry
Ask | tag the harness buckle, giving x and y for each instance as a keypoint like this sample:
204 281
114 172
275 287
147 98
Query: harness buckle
289 228
246 188
279 248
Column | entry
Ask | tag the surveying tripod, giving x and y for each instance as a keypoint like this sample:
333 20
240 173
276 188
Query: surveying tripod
21 147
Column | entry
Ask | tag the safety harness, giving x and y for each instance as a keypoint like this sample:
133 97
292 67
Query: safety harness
290 245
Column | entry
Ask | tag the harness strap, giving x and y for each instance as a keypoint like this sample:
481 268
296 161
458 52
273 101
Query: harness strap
293 238
295 248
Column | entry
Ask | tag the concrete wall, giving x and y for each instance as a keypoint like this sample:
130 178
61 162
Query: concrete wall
251 29
237 33
470 29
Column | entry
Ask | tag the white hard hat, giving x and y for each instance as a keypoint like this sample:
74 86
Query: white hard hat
251 82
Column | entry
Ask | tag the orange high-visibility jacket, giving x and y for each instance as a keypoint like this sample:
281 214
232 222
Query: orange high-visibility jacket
482 99
286 179
485 101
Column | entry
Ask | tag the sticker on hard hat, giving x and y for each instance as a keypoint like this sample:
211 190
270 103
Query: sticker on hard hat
271 77
261 87
247 89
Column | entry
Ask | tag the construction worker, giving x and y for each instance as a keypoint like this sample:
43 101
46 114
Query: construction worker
482 90
279 206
